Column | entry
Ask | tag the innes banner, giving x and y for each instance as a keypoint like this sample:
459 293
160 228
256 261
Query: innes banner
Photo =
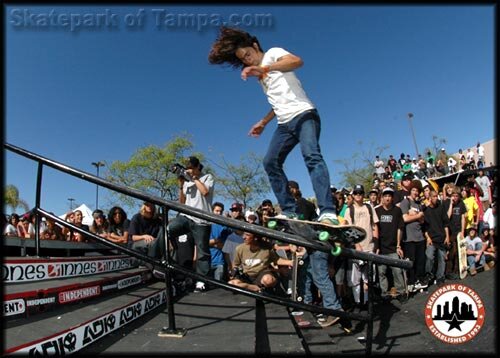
73 340
38 271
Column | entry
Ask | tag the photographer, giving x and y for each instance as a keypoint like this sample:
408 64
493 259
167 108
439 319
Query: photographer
196 190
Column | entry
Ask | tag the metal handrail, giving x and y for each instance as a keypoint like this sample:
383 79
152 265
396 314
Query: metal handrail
171 266
219 219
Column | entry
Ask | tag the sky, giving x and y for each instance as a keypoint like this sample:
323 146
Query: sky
96 83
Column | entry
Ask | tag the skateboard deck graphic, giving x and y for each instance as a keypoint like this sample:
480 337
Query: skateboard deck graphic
298 264
336 235
300 320
462 255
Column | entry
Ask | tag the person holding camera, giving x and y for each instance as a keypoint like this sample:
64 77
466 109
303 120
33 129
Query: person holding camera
196 189
437 234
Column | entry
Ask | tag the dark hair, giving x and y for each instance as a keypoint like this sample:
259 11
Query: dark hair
112 211
219 204
224 48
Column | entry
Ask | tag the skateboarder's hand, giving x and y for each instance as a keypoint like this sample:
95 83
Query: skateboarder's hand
255 71
257 129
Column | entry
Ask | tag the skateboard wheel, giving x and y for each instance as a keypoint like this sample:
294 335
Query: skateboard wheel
336 251
272 224
300 262
299 299
324 236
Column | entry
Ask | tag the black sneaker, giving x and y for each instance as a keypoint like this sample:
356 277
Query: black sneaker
420 285
452 276
440 281
402 299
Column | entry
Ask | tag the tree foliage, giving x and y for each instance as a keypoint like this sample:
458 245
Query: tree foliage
359 169
438 143
12 199
245 182
148 169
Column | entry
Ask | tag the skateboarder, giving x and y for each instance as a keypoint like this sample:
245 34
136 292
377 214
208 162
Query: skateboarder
298 119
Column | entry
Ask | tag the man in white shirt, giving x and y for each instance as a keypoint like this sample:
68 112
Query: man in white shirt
298 119
480 154
484 182
379 167
197 191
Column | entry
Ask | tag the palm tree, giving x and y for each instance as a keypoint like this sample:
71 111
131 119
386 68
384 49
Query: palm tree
11 198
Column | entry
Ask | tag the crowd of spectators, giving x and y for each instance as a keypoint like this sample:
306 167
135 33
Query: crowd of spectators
424 225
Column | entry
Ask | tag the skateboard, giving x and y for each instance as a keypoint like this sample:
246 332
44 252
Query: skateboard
298 264
336 235
298 316
462 255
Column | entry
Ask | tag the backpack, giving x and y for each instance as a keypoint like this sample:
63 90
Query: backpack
369 207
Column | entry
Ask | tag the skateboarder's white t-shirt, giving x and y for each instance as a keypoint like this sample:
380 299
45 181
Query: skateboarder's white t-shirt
283 89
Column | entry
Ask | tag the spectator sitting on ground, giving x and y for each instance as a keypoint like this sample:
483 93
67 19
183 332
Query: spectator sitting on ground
11 227
253 261
490 252
475 252
118 226
144 229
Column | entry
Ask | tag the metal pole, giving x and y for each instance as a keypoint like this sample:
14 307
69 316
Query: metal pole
97 165
71 203
37 205
410 116
369 328
170 330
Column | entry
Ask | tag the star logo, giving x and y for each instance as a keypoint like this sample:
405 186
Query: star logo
454 323
452 312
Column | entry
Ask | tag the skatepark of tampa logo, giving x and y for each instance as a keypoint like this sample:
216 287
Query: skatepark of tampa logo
454 313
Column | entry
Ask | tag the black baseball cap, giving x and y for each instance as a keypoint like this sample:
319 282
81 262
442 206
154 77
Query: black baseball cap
358 188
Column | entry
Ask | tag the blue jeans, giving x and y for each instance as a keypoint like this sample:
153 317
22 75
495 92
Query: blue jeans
471 259
317 272
219 272
304 129
430 252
